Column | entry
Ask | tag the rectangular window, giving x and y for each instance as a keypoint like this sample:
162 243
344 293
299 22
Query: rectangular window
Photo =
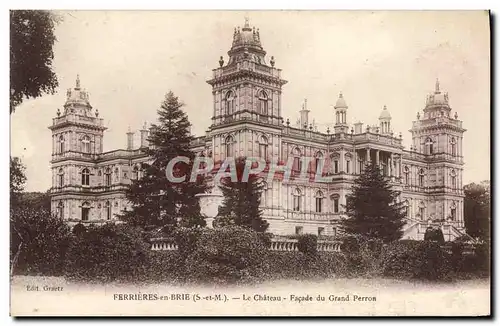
319 205
453 214
321 231
85 213
334 232
421 212
299 230
263 151
296 203
347 166
336 205
336 166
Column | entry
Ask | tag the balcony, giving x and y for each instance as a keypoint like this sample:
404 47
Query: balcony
247 65
74 118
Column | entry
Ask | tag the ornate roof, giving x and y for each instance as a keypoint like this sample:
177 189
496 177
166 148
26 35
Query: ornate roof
340 102
385 115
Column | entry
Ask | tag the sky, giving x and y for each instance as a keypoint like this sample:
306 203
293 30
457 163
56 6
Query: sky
128 61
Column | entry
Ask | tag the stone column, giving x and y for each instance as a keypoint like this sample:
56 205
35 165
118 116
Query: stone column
368 157
391 166
377 157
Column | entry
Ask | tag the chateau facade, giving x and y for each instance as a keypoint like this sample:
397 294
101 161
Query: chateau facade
88 185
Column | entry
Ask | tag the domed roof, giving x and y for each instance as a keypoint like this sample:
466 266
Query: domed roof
437 98
340 102
385 114
77 96
246 37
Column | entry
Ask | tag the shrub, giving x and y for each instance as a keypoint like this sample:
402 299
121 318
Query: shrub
308 244
107 253
39 242
186 239
79 229
414 260
227 255
163 266
434 234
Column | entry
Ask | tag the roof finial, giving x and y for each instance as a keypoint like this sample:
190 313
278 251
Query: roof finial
437 85
340 95
78 81
247 20
305 103
385 107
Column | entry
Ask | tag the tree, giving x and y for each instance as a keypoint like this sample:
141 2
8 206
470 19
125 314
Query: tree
31 53
17 180
373 209
241 205
157 200
477 209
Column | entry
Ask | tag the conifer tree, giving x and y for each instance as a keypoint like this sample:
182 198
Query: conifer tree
373 209
241 204
156 200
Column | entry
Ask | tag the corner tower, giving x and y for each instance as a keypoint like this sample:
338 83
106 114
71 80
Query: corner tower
77 140
438 139
246 99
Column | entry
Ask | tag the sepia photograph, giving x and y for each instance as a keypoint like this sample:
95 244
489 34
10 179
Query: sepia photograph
250 163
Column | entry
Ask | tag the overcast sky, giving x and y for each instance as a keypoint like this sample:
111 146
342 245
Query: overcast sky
128 60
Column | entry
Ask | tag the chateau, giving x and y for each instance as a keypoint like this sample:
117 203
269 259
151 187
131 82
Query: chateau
88 185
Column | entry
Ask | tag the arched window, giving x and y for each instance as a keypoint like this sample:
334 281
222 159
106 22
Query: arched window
61 144
117 175
263 103
297 162
421 175
429 146
229 146
263 145
319 202
453 175
296 200
86 144
108 209
85 211
230 99
60 177
453 146
60 209
85 177
407 175
107 177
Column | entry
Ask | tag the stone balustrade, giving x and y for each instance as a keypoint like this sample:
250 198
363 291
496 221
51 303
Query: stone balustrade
277 244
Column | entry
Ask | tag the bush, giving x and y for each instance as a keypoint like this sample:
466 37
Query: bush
414 260
227 255
186 239
107 253
434 234
39 242
79 229
308 244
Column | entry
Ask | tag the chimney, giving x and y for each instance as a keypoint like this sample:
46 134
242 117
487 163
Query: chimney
358 127
130 139
304 115
144 136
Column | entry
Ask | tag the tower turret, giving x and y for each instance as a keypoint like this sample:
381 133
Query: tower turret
341 115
